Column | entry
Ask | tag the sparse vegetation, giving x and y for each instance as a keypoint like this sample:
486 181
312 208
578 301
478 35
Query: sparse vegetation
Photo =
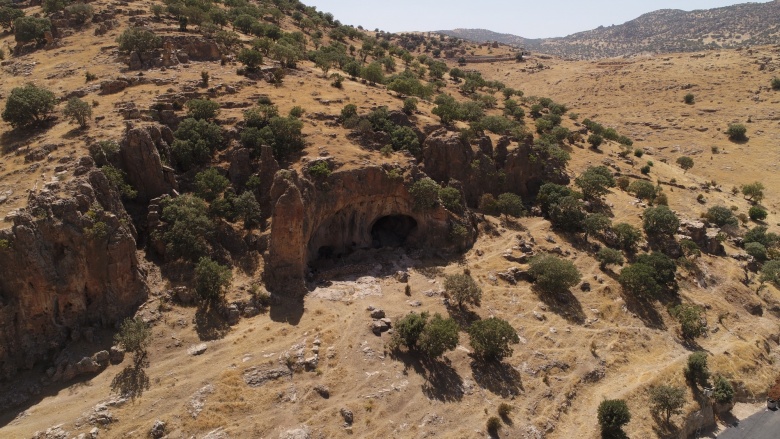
79 111
737 132
613 414
553 275
211 280
491 338
28 105
667 400
463 289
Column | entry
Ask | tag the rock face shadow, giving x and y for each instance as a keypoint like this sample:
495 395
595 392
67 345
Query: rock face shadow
499 378
209 324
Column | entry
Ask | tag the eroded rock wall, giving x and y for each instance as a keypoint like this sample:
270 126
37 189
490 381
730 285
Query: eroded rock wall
68 261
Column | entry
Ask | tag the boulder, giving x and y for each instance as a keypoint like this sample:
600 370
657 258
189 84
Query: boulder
158 430
113 86
140 160
446 156
116 354
240 166
345 413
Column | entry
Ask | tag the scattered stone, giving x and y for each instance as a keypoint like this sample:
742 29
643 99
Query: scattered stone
197 349
415 303
101 357
256 376
116 354
347 415
322 390
55 432
539 316
198 400
298 433
158 430
380 325
377 313
402 276
585 286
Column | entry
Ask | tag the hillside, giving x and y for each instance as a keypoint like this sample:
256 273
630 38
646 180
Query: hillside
268 194
662 31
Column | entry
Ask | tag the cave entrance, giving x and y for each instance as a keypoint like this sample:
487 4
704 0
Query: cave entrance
392 230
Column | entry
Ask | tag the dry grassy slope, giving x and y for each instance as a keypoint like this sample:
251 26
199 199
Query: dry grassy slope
393 398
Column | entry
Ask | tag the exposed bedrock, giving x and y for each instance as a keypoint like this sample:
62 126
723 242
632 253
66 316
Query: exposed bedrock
359 209
68 261
141 160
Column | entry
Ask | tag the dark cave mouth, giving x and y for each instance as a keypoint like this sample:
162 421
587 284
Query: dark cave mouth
392 230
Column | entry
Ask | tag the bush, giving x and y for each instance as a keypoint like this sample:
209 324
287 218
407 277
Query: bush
639 280
80 12
736 132
186 227
511 205
247 208
627 236
553 275
757 213
348 111
595 140
596 224
117 178
660 222
613 414
775 83
463 289
52 6
568 214
195 142
685 162
210 184
404 138
296 112
689 317
250 58
664 267
104 152
134 336
667 400
595 182
425 193
723 392
450 199
689 98
770 272
211 280
721 216
447 108
408 330
757 250
753 191
696 371
759 234
438 336
645 170
79 111
504 410
493 425
607 256
490 338
139 40
28 105
410 105
202 109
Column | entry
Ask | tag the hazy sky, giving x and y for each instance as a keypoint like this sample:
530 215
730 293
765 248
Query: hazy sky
530 19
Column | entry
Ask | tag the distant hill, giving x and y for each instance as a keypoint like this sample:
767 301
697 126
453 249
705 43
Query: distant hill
662 31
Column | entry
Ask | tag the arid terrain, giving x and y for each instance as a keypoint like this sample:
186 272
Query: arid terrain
296 344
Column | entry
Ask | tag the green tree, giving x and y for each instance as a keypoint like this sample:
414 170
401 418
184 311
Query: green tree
757 213
248 209
463 289
685 162
770 272
596 224
510 204
28 29
8 15
753 191
757 250
595 140
195 141
721 216
696 371
79 111
491 338
639 279
607 256
439 336
408 330
663 266
187 227
660 222
450 199
139 40
627 236
759 234
551 194
404 138
689 317
644 190
410 105
134 336
568 214
425 193
667 400
28 105
736 132
209 184
373 73
447 108
202 109
211 280
553 275
251 58
595 182
723 391
613 414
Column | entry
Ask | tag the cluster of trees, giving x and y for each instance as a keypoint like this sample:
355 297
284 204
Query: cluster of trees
264 126
30 105
599 133
402 138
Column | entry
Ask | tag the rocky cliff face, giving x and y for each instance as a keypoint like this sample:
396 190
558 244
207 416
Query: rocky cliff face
354 209
140 159
66 263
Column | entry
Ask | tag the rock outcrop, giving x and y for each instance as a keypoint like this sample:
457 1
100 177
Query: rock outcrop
139 155
361 209
66 263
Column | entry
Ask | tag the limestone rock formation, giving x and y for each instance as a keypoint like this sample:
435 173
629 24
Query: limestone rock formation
140 158
66 263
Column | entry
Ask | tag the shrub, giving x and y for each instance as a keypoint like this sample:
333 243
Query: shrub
568 214
8 15
493 425
696 371
723 392
195 141
186 227
644 190
689 317
425 193
664 267
689 98
596 224
623 182
639 279
348 111
667 400
202 109
613 414
627 236
251 58
104 152
770 272
721 216
553 275
595 140
759 234
638 153
211 280
757 250
510 204
463 289
79 111
52 6
504 410
490 338
753 191
248 209
660 222
28 105
117 178
410 105
685 162
438 336
595 182
551 194
690 248
607 256
736 132
80 12
645 169
134 336
139 40
296 112
408 330
404 138
209 184
447 108
757 213
775 83
450 199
